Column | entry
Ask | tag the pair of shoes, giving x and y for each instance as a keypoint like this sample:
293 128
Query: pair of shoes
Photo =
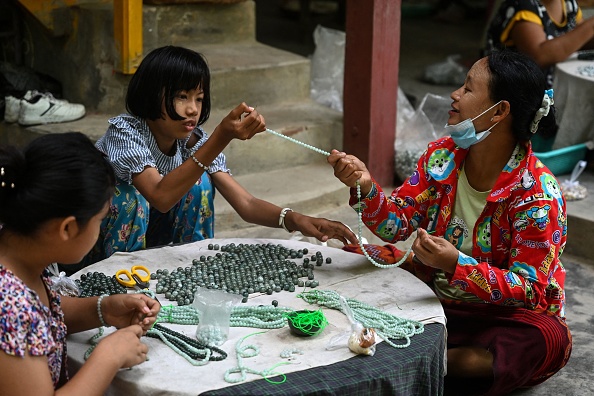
41 108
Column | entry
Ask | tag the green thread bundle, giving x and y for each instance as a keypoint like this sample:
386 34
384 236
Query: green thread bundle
306 323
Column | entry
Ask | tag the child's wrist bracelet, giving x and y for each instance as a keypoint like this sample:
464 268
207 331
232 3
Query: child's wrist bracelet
103 323
281 219
200 164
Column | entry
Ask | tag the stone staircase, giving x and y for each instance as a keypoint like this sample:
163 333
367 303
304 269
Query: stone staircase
277 82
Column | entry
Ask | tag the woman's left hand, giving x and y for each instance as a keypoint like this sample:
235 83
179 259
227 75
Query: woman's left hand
435 252
122 310
320 228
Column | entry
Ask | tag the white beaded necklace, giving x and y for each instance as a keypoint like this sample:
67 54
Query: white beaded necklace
359 207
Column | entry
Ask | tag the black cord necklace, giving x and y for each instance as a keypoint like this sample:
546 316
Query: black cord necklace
191 349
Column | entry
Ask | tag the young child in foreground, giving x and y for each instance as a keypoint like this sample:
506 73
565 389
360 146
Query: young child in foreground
53 196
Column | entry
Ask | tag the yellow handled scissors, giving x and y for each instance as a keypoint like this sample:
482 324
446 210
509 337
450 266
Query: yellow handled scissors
134 277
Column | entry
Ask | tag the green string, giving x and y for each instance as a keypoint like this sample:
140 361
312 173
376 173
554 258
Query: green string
308 322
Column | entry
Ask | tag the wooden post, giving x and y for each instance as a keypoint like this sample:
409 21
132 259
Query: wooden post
372 54
127 32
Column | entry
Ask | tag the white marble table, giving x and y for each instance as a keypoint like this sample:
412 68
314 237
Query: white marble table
351 275
574 101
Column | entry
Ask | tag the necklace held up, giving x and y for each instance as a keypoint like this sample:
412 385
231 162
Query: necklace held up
359 207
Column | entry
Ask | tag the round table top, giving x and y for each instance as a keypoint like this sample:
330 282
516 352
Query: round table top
351 275
583 69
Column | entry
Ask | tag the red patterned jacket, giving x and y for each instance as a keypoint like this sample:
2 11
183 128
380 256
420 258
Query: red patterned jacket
517 240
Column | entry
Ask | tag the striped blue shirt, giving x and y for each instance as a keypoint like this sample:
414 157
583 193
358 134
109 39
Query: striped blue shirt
131 147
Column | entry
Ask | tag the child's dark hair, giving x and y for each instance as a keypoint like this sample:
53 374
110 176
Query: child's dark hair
56 175
516 78
162 74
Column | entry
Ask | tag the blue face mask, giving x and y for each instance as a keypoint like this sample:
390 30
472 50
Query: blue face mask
464 134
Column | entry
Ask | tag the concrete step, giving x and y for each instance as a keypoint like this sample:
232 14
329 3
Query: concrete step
308 189
306 121
254 73
242 69
275 81
199 22
580 218
248 72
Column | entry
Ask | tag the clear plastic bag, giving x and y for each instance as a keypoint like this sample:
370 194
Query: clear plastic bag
327 67
448 72
214 309
572 189
358 339
426 125
62 284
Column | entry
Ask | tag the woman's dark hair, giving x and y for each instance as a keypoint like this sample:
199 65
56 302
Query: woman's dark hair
162 74
56 175
516 78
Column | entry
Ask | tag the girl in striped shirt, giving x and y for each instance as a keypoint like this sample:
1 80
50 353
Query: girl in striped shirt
167 167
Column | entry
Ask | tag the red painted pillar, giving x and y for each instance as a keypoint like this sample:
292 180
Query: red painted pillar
372 54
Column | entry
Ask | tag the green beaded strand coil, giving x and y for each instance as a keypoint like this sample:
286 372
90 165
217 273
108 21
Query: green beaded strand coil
386 325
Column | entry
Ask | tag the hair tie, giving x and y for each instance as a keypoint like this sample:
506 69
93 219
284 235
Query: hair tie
547 102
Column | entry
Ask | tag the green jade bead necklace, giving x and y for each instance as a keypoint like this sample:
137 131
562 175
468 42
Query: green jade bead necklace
386 325
262 317
359 207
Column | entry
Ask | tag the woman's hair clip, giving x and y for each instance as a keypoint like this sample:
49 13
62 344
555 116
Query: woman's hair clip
543 111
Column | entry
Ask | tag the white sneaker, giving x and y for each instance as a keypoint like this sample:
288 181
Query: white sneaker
45 109
12 106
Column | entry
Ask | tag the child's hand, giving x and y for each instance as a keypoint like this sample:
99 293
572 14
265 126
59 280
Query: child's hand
123 345
320 228
243 122
121 310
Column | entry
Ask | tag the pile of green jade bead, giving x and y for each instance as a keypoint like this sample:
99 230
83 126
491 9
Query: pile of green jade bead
241 269
97 283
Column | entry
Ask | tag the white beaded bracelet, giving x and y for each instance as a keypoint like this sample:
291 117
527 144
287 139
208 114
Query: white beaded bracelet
281 219
200 164
103 323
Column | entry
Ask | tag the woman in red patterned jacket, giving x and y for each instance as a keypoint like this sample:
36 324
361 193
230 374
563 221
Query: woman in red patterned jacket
491 224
